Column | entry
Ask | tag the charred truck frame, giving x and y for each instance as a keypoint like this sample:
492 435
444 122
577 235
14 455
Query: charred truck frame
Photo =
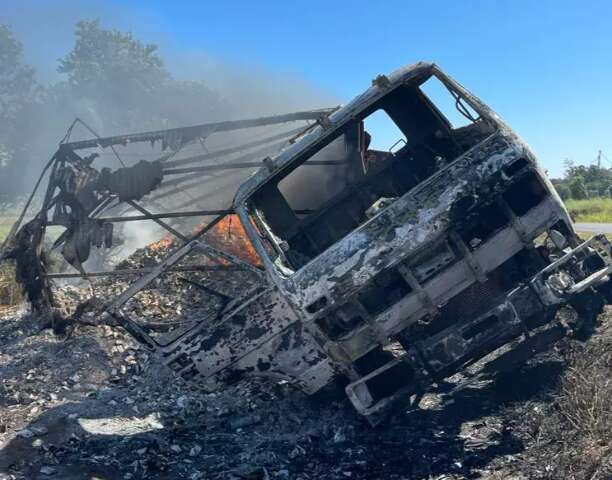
393 268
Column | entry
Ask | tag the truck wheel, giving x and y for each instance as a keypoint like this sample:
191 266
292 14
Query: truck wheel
605 290
588 306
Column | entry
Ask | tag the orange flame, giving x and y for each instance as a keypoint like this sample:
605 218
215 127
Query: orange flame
162 244
228 235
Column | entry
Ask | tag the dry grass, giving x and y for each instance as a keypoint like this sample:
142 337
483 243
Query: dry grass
9 211
5 226
586 395
585 404
10 291
570 435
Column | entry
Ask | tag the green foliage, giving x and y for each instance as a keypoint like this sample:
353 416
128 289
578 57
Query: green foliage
117 76
577 188
564 191
18 91
594 210
112 81
17 83
125 83
584 181
102 59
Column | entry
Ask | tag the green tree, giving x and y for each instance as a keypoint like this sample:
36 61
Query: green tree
122 84
101 57
113 75
17 84
577 188
596 180
18 92
563 190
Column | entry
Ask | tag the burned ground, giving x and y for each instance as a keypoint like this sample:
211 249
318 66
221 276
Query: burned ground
95 405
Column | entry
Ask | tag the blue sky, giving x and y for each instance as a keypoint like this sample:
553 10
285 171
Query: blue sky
544 66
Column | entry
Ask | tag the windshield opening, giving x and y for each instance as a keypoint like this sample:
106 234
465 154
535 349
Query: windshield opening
373 160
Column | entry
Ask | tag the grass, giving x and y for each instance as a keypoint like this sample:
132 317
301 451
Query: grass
9 211
10 290
5 226
593 210
586 391
568 434
586 411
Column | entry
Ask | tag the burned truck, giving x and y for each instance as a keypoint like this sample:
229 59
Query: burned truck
430 246
402 237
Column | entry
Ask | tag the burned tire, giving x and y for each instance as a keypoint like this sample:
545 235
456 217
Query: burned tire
605 290
588 305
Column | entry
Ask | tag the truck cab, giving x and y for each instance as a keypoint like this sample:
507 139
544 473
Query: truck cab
401 242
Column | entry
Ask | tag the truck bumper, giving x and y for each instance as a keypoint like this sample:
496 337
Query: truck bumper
522 316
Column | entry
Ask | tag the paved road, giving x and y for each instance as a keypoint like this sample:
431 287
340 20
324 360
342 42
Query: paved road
593 227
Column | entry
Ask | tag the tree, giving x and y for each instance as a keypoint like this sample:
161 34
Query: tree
18 92
101 57
563 190
17 84
585 180
118 83
112 75
577 188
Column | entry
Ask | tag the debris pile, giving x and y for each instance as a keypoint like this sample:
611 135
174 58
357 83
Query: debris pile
117 413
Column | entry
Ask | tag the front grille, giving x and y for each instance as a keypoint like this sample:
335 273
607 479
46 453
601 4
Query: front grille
386 288
480 297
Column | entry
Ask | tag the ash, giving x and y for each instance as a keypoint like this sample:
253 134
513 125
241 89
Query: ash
94 404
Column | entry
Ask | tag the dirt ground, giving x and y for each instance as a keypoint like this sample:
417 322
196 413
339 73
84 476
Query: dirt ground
96 406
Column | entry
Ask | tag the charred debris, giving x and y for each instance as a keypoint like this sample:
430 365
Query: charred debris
385 245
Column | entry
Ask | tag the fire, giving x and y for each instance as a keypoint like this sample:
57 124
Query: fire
228 235
162 244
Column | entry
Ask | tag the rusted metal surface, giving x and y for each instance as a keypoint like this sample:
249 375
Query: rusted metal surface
173 138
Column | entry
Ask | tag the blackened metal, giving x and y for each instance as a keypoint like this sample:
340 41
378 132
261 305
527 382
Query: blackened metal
178 136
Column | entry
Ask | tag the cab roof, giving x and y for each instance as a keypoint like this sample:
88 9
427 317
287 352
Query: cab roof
330 124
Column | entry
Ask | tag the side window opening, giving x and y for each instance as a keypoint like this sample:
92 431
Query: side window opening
466 126
395 145
456 110
382 133
324 175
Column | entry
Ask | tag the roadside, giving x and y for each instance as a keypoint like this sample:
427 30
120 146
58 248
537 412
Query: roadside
591 228
96 405
594 210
